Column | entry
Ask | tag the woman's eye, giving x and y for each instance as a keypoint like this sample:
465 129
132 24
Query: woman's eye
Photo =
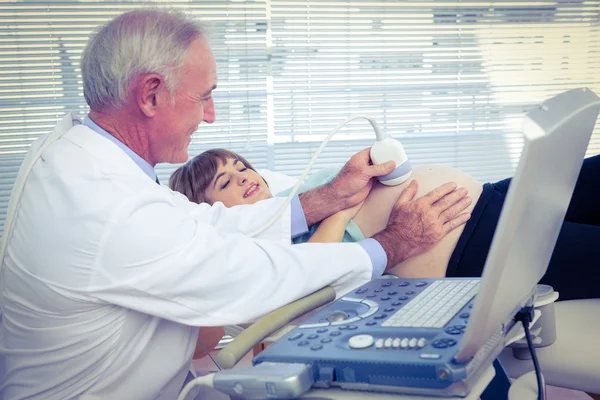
225 185
243 169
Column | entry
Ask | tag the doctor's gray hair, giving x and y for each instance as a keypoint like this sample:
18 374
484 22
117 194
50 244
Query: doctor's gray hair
137 42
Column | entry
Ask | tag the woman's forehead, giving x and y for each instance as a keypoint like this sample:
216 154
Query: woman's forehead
229 161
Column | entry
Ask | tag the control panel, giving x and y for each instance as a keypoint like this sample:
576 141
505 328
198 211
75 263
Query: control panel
374 335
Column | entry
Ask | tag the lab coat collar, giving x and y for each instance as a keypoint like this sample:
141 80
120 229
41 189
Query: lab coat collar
143 164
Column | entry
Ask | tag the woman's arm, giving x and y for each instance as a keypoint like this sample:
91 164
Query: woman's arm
332 228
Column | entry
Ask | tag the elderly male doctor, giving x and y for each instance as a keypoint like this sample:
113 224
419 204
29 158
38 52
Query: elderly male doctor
106 275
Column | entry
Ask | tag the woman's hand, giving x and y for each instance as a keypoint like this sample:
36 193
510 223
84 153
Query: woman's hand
349 213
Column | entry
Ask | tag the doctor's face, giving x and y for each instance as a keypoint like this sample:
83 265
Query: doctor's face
193 104
235 184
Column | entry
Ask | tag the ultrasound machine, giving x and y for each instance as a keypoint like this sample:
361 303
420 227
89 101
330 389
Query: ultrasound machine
433 337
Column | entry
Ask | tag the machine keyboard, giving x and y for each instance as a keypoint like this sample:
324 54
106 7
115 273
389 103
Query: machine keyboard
384 333
436 305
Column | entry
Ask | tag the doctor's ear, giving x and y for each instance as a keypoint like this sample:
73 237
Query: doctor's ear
151 93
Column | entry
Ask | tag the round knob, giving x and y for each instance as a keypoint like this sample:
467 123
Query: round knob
337 316
360 341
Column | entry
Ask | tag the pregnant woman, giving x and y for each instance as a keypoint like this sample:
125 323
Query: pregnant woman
221 175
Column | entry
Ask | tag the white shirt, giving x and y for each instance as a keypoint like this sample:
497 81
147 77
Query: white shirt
107 275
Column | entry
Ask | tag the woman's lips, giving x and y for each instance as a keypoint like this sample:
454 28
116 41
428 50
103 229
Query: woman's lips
251 190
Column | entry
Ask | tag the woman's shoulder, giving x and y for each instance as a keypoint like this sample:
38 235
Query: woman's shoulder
316 179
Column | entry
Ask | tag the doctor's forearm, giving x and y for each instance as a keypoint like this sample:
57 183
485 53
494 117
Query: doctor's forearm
396 247
320 203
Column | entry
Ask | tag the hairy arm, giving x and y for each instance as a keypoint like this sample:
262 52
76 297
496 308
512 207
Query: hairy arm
349 188
320 203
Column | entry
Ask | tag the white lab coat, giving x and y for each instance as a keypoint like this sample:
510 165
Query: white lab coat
107 275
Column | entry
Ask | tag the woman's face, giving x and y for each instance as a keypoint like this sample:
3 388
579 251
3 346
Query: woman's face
234 184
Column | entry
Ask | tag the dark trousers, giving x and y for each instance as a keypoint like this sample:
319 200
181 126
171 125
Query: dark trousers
574 268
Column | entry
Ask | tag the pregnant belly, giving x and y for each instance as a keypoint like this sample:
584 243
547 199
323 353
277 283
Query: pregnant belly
374 214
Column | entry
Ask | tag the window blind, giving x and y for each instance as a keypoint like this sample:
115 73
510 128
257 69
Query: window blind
450 79
40 80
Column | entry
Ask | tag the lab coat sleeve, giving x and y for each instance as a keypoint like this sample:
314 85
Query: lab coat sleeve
196 265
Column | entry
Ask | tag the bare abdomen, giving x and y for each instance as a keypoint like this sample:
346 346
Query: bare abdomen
374 214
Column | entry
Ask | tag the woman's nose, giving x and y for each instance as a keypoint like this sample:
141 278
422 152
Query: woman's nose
242 178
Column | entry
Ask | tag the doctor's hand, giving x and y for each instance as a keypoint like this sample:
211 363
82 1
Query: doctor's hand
415 226
355 180
349 188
